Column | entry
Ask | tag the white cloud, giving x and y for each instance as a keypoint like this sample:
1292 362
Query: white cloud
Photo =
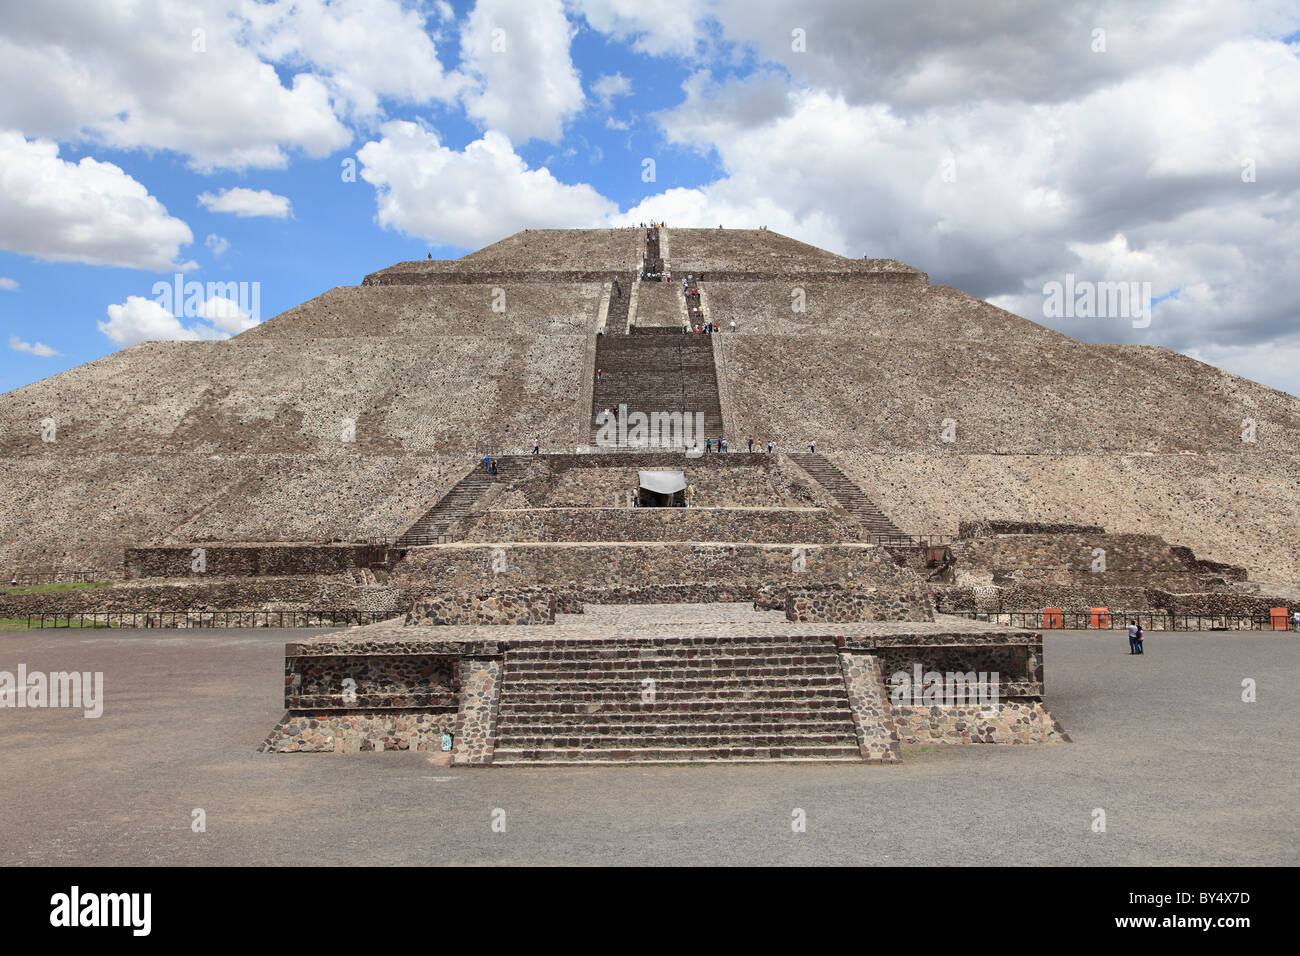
1138 181
664 27
610 86
469 197
145 320
8 285
226 315
243 202
217 245
518 53
363 50
31 348
134 74
87 211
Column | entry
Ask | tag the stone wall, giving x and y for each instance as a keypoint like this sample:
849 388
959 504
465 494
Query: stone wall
1011 722
480 704
252 560
640 566
359 682
804 526
493 607
841 605
360 731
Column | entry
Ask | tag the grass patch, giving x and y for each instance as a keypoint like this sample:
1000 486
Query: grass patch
53 588
20 624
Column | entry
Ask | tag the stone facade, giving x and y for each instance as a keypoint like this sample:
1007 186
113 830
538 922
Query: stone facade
495 607
1013 722
253 560
360 732
835 604
752 525
873 721
480 704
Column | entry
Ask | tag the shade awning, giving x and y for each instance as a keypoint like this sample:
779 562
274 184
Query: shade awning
662 482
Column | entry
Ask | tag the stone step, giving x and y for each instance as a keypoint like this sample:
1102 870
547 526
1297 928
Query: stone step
637 723
684 674
675 738
673 755
682 706
676 657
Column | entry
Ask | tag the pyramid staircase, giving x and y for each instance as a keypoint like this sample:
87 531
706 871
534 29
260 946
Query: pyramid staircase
619 301
714 699
660 370
847 493
436 524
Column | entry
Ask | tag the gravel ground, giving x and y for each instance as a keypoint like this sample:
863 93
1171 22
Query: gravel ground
1185 771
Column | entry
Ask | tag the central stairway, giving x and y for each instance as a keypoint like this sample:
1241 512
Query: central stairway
674 700
660 370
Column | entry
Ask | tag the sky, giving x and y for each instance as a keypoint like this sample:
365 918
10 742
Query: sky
278 149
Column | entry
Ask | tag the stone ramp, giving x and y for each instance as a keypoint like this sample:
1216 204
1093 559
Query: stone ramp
675 700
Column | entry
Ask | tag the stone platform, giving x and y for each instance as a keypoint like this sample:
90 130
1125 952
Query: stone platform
659 684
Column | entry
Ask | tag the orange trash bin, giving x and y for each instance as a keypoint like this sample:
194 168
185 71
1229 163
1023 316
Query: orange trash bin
1052 617
1101 617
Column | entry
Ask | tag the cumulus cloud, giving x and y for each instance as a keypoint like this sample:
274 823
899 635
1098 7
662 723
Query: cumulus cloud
664 27
155 74
31 348
468 197
525 84
226 315
217 245
145 320
8 285
1143 180
364 50
87 211
243 202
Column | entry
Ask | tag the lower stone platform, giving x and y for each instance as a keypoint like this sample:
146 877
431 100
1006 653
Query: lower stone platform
665 684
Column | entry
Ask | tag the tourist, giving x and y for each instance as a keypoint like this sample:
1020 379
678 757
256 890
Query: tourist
1132 636
492 469
1140 635
751 444
1295 619
599 375
733 325
812 447
771 447
537 446
487 464
708 445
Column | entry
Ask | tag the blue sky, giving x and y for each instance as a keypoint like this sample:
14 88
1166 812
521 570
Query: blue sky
998 153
